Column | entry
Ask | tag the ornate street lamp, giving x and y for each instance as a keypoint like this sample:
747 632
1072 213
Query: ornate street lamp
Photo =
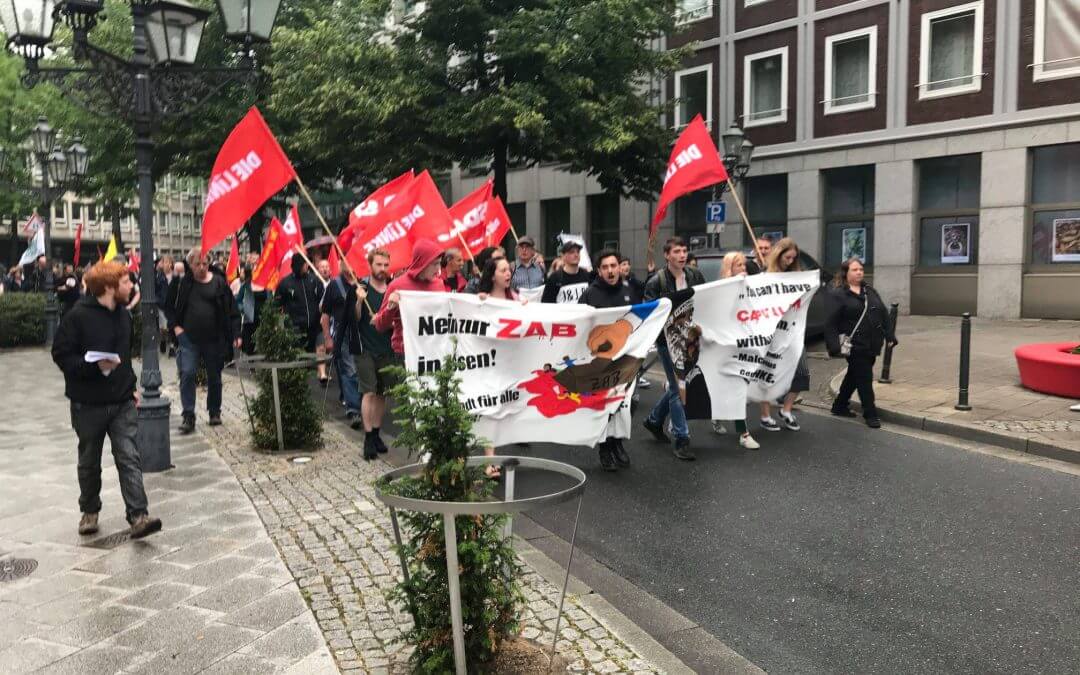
78 159
738 152
732 140
158 80
57 164
42 137
29 25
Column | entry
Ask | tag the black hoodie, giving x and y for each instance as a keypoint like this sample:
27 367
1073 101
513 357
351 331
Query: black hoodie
602 295
300 296
90 326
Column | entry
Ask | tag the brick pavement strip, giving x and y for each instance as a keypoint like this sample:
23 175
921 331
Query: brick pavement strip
336 539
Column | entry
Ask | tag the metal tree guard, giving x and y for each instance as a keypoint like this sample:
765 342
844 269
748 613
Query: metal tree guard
508 506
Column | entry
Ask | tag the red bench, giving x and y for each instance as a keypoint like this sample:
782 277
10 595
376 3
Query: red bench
1050 368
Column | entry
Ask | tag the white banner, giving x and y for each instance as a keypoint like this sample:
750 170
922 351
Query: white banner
740 339
533 373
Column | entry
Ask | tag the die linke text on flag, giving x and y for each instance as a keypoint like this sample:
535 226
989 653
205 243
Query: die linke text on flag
368 210
694 164
417 212
250 168
480 218
265 275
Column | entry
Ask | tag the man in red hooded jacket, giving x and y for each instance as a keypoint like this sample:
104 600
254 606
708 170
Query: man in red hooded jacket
422 275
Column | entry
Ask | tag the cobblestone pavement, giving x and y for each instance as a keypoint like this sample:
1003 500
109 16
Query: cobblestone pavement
207 594
336 539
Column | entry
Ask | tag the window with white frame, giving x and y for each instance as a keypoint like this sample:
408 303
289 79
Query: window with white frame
950 51
688 11
850 71
1057 40
751 3
693 89
765 85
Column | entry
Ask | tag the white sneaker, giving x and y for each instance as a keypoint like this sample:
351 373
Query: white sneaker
718 427
747 441
1075 408
643 383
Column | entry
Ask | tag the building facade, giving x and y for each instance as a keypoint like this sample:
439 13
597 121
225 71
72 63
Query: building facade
939 140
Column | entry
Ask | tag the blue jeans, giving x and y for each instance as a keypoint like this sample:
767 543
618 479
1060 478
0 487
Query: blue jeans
118 421
187 361
346 368
669 402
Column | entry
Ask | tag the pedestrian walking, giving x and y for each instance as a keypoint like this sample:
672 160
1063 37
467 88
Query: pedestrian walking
207 326
67 289
375 352
570 281
322 266
734 265
245 304
92 347
528 270
675 281
341 339
857 325
299 295
784 257
763 245
609 290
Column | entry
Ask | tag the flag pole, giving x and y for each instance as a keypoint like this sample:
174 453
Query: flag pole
299 249
464 244
333 238
746 221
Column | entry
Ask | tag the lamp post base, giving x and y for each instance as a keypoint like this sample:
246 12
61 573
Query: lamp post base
152 437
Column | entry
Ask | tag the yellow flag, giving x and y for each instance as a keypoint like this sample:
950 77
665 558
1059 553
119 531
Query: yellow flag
111 252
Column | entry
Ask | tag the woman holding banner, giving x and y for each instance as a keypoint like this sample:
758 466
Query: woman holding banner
784 257
495 280
856 327
733 265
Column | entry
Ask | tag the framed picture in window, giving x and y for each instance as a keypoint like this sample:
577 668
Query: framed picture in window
1066 246
853 243
956 244
773 236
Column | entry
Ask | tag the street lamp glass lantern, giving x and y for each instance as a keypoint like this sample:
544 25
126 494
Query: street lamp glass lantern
78 159
43 136
28 25
58 167
746 153
175 28
249 20
732 139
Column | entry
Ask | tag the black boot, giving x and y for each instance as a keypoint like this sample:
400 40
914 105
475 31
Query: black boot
370 451
187 425
618 452
607 461
379 445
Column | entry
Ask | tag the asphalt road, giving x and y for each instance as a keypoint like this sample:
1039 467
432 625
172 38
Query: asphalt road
841 549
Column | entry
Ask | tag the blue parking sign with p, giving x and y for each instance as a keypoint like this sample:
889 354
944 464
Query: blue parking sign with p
715 213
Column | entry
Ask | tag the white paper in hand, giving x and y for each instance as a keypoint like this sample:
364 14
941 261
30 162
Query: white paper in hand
94 357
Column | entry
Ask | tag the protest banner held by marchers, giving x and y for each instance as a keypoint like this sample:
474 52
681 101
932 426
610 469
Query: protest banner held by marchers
694 164
250 168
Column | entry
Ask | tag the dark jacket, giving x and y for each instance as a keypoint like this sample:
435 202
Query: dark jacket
602 295
843 311
662 285
638 285
300 298
561 278
90 326
176 304
67 295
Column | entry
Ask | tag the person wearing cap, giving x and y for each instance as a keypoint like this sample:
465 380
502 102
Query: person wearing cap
567 284
528 270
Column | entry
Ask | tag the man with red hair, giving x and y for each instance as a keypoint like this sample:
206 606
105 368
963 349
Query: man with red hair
93 348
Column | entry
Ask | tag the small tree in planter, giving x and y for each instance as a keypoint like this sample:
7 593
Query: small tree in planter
433 420
301 423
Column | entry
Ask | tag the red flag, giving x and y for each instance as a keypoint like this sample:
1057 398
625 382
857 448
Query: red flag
334 262
78 244
368 209
292 236
479 218
694 164
417 212
133 261
498 223
232 268
249 169
265 274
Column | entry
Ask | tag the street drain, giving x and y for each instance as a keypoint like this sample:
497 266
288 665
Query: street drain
12 569
111 541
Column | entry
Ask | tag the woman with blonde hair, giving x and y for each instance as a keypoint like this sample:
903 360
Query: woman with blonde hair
734 264
784 257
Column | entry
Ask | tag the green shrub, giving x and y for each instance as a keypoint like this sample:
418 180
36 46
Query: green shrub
22 319
432 419
301 422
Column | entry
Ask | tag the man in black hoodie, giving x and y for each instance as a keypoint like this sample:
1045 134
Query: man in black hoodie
609 290
92 347
299 294
203 316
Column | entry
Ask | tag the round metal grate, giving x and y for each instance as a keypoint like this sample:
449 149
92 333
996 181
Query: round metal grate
16 568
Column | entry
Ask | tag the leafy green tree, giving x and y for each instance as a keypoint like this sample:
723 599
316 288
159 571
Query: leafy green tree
301 422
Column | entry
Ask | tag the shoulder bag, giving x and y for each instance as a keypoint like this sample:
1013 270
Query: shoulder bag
845 340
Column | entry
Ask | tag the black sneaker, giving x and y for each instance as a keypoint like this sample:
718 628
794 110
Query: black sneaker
370 451
607 461
789 421
769 424
187 425
656 430
618 452
683 451
215 420
355 420
842 412
380 447
873 422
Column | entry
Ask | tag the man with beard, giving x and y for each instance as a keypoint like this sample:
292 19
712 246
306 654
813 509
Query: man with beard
569 282
92 347
452 277
375 351
608 290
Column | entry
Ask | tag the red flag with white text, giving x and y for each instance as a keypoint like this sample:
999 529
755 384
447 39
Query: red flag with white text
480 218
250 168
78 244
292 236
265 273
417 212
694 164
369 209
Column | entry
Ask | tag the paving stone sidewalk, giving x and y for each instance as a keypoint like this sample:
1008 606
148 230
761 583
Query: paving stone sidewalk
336 539
208 594
925 371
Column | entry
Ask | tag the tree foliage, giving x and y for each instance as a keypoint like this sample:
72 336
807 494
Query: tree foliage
301 422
